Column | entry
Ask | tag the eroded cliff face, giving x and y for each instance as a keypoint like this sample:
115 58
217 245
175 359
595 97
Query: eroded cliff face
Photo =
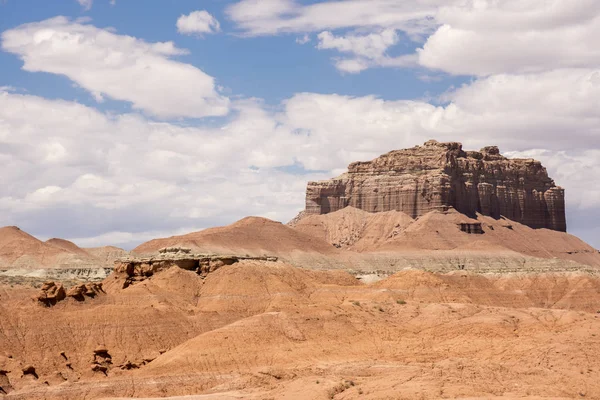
437 176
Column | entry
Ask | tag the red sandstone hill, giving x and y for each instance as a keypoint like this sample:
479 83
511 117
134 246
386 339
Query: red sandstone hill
19 247
20 250
253 236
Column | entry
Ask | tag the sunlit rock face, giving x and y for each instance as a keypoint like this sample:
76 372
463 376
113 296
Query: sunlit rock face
437 176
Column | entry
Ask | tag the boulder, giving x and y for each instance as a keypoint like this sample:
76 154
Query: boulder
51 293
80 292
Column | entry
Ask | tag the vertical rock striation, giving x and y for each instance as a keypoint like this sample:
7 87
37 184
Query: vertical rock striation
437 176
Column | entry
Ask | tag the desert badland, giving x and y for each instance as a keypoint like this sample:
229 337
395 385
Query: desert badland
427 273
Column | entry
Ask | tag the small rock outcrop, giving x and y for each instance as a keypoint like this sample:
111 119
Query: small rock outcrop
438 176
132 269
51 293
80 292
101 361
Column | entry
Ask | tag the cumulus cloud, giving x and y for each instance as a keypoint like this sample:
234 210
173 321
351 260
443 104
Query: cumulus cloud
472 37
256 17
72 171
368 50
121 67
373 45
514 36
197 23
376 20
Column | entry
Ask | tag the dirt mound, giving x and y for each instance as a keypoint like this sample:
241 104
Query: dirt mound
442 231
254 235
354 228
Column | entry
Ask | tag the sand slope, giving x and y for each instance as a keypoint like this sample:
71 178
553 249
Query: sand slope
394 232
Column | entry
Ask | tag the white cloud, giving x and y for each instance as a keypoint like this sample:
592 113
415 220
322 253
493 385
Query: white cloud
303 40
117 66
372 45
368 50
257 17
86 4
514 36
469 37
70 169
197 22
376 23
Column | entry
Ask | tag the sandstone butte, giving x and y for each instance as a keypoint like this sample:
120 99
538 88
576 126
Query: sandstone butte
437 176
468 303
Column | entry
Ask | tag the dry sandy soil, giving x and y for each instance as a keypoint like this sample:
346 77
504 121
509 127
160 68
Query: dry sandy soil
265 330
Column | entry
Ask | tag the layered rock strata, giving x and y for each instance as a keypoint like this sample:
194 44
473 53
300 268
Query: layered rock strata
133 269
437 176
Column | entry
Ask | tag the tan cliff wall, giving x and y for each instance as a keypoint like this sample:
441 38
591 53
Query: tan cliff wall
437 176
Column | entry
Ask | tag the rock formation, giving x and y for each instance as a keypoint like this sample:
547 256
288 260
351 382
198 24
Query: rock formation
51 293
137 269
81 291
437 176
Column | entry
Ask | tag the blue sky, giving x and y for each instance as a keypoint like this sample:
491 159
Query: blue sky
202 112
259 67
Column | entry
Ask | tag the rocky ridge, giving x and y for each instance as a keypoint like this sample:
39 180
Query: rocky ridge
437 176
136 269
